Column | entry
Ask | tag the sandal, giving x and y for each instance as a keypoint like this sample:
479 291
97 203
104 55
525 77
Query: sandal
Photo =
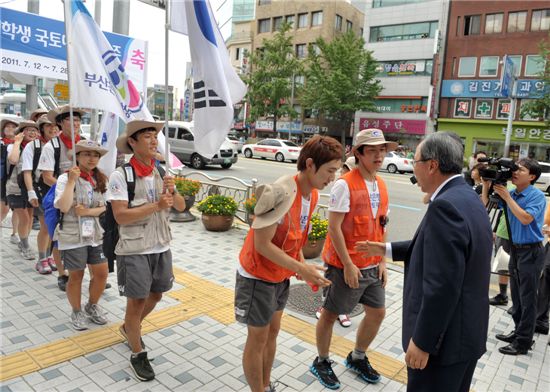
344 320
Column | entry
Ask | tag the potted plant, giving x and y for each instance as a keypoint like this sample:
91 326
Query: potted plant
316 237
218 212
188 189
249 205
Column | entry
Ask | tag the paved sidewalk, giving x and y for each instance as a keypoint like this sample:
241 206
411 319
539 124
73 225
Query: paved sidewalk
193 337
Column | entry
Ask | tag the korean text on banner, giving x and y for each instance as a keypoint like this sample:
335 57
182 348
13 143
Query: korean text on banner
217 87
34 45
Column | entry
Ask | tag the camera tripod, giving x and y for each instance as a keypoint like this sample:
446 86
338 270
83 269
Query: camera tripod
495 214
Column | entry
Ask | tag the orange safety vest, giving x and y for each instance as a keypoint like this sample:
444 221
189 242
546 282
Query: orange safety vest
289 237
359 224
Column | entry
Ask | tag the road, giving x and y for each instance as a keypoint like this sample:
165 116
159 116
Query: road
406 208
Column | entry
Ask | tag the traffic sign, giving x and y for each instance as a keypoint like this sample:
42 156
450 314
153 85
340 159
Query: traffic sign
507 78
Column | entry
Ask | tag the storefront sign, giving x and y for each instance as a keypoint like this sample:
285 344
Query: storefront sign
282 126
413 108
503 109
529 133
311 128
484 108
490 88
463 108
416 127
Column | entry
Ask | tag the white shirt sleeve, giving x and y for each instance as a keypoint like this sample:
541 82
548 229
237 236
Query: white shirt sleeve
388 254
9 148
117 189
60 188
47 159
339 197
27 157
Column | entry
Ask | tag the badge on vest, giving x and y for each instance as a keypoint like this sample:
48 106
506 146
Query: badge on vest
87 227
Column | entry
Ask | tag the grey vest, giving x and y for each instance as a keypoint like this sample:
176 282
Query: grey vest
141 235
12 186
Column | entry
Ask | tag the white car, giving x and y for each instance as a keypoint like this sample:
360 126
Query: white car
393 163
278 149
236 142
543 183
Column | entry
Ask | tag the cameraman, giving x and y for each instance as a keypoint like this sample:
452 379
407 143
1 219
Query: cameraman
525 208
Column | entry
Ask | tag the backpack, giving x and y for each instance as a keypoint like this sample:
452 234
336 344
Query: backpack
41 187
52 215
4 167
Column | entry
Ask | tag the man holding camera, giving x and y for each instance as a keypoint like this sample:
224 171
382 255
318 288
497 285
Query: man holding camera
525 207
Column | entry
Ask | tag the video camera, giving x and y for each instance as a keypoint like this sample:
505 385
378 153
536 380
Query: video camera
499 170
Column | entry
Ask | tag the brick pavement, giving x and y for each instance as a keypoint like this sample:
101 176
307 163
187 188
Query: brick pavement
193 338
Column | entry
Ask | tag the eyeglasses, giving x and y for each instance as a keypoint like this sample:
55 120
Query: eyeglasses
413 162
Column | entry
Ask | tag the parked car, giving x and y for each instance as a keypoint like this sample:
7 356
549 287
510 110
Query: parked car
394 162
237 144
543 183
278 149
181 138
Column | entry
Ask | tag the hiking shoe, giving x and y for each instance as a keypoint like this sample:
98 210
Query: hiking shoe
318 312
96 314
62 282
51 263
324 373
498 299
27 254
43 267
14 239
36 224
123 333
141 366
363 368
79 320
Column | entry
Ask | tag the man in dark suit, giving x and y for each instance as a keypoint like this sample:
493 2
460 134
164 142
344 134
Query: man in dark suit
447 270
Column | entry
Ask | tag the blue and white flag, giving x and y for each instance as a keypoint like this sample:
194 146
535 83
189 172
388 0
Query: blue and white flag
108 131
217 87
97 78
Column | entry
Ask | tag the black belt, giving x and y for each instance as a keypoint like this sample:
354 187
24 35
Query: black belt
528 246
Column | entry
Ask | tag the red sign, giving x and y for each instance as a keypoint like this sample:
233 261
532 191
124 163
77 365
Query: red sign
414 127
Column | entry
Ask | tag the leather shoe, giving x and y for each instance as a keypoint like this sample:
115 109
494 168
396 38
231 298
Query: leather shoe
507 338
513 349
541 330
498 299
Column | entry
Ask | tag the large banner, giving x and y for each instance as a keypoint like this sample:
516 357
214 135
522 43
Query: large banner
34 45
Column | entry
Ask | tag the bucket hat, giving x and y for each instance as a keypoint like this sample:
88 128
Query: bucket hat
372 137
274 201
133 127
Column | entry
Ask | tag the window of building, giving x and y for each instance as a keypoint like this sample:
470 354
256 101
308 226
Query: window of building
301 51
534 65
517 21
467 66
237 53
361 31
290 20
349 25
493 23
403 32
472 24
316 18
338 23
263 26
516 59
390 3
264 2
277 23
314 48
457 26
297 108
488 66
540 20
299 80
302 21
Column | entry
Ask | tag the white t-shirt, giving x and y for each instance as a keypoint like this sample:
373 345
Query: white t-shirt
27 156
60 188
118 190
47 158
340 196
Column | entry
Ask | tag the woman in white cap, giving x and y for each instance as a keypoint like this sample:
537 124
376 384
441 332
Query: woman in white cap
16 192
7 128
79 195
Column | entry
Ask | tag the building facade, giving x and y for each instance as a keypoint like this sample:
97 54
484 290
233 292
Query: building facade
480 34
405 38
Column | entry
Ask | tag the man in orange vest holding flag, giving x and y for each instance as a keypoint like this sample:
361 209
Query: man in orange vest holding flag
272 254
358 211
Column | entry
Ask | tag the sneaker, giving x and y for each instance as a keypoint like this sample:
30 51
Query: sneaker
141 366
51 263
43 267
96 314
62 282
344 320
36 224
324 373
318 312
363 368
27 254
499 299
123 333
14 239
79 320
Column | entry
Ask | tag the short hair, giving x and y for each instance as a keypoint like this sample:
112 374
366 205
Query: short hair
321 149
136 134
479 166
479 152
445 148
533 167
59 118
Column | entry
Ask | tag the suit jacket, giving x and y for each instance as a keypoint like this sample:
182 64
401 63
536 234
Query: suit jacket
447 271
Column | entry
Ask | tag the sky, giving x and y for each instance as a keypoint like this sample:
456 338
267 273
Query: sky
146 23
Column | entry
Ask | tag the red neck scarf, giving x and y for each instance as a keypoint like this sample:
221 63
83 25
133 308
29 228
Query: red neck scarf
141 169
88 176
67 140
8 140
24 143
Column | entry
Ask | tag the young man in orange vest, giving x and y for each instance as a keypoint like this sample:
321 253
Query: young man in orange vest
358 211
272 254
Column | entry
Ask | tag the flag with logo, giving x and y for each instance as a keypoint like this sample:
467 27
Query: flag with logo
217 87
108 131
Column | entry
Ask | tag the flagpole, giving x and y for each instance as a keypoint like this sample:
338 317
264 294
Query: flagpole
166 133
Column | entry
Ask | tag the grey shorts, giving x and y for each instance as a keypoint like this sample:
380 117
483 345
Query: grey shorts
140 275
18 201
256 300
76 259
341 299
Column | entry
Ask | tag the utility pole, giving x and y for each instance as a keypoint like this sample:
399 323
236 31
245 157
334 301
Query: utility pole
31 90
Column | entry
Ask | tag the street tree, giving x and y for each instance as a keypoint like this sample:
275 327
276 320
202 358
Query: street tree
340 79
270 82
540 107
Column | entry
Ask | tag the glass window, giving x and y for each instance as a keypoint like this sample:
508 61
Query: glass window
237 53
349 25
517 21
472 24
299 80
302 21
290 144
534 65
316 18
338 23
389 3
263 26
540 20
290 20
277 23
314 48
403 32
301 51
264 2
517 64
467 66
493 23
488 66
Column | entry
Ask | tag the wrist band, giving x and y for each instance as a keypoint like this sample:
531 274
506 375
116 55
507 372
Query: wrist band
31 195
